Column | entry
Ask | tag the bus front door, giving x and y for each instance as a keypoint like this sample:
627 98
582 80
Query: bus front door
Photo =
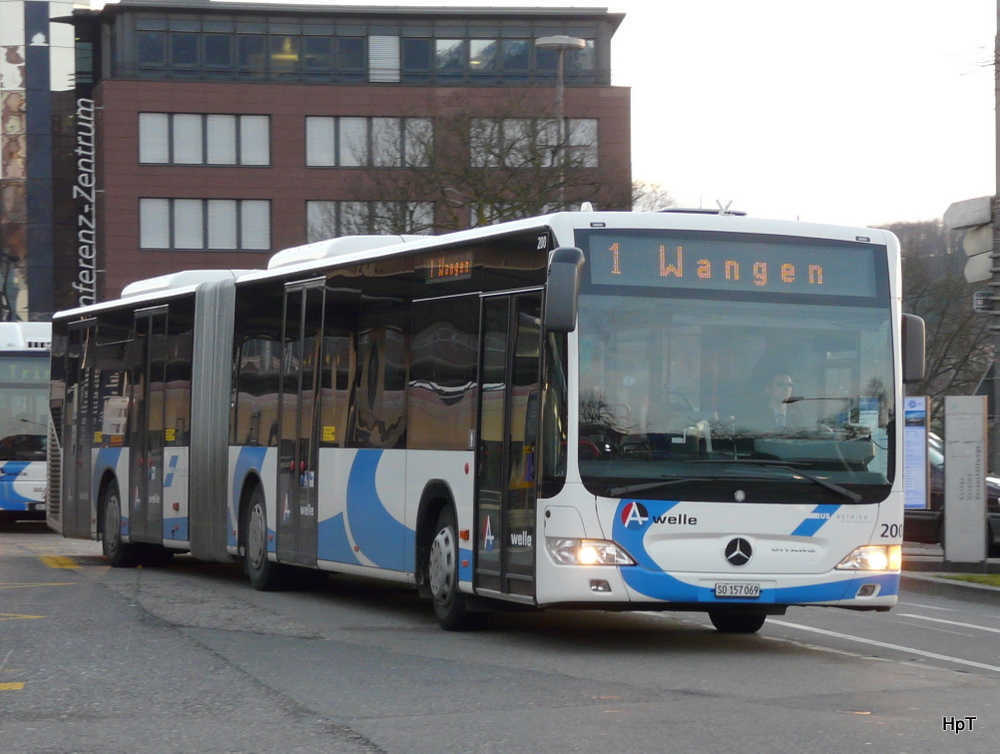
147 362
510 341
298 452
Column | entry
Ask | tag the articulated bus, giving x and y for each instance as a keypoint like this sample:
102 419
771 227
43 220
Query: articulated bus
613 411
24 423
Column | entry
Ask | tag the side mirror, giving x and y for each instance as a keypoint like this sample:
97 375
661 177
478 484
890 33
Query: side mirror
562 294
913 348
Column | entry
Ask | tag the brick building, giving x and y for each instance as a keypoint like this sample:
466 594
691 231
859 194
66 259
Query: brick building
209 135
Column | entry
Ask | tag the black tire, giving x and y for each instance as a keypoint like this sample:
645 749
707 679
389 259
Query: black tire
264 575
442 570
736 623
118 553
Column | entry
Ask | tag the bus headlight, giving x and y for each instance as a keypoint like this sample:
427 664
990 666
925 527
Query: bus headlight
586 552
873 558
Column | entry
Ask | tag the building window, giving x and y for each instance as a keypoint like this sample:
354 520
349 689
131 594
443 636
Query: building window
333 219
417 55
351 54
531 142
516 54
218 51
350 50
383 59
574 62
368 142
203 139
151 47
205 224
582 61
581 142
183 49
449 55
483 54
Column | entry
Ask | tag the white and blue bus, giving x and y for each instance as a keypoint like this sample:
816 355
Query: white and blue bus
24 424
613 411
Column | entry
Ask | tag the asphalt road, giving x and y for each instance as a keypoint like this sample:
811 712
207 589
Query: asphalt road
191 659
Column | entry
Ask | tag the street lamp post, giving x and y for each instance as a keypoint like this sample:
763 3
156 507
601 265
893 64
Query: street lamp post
561 43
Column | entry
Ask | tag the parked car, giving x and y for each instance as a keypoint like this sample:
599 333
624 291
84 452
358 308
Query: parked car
927 526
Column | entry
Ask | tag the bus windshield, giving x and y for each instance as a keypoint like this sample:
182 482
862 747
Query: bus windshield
24 399
733 396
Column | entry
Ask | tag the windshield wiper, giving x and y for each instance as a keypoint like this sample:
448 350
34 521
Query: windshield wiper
627 489
854 497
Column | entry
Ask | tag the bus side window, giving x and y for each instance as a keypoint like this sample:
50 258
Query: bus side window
380 384
442 390
256 404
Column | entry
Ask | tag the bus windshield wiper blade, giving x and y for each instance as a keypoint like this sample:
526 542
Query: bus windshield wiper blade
627 489
854 497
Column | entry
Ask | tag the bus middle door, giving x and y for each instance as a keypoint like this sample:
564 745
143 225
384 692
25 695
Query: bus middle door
147 362
298 452
508 437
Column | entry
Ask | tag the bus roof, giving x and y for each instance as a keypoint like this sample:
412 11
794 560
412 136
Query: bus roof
155 288
334 247
176 280
360 249
25 336
323 255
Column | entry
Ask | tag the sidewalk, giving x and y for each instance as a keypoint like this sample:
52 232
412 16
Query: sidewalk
925 571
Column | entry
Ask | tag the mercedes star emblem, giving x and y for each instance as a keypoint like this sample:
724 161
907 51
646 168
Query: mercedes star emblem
739 552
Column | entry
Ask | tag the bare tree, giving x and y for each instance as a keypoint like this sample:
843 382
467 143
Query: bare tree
959 343
650 197
484 164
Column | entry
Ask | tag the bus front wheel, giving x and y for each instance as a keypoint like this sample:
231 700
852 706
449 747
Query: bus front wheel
442 568
737 623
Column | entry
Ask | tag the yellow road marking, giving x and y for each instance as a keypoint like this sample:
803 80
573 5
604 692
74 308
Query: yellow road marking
11 686
59 561
15 616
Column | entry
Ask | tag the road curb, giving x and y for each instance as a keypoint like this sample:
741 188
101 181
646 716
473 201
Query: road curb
941 586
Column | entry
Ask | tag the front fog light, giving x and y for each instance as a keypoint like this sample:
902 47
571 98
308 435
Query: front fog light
586 552
873 558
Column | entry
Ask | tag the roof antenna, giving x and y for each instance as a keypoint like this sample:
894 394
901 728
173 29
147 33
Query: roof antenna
724 210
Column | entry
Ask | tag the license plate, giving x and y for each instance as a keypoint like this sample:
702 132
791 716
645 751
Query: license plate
737 589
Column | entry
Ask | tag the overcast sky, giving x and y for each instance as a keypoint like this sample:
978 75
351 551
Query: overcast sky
858 112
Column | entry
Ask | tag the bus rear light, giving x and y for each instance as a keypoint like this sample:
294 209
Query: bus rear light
873 558
586 552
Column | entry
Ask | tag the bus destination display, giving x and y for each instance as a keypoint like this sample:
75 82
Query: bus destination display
731 263
441 267
24 370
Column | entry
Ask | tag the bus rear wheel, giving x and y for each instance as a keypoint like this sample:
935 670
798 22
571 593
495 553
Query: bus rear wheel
442 569
264 575
736 623
118 553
